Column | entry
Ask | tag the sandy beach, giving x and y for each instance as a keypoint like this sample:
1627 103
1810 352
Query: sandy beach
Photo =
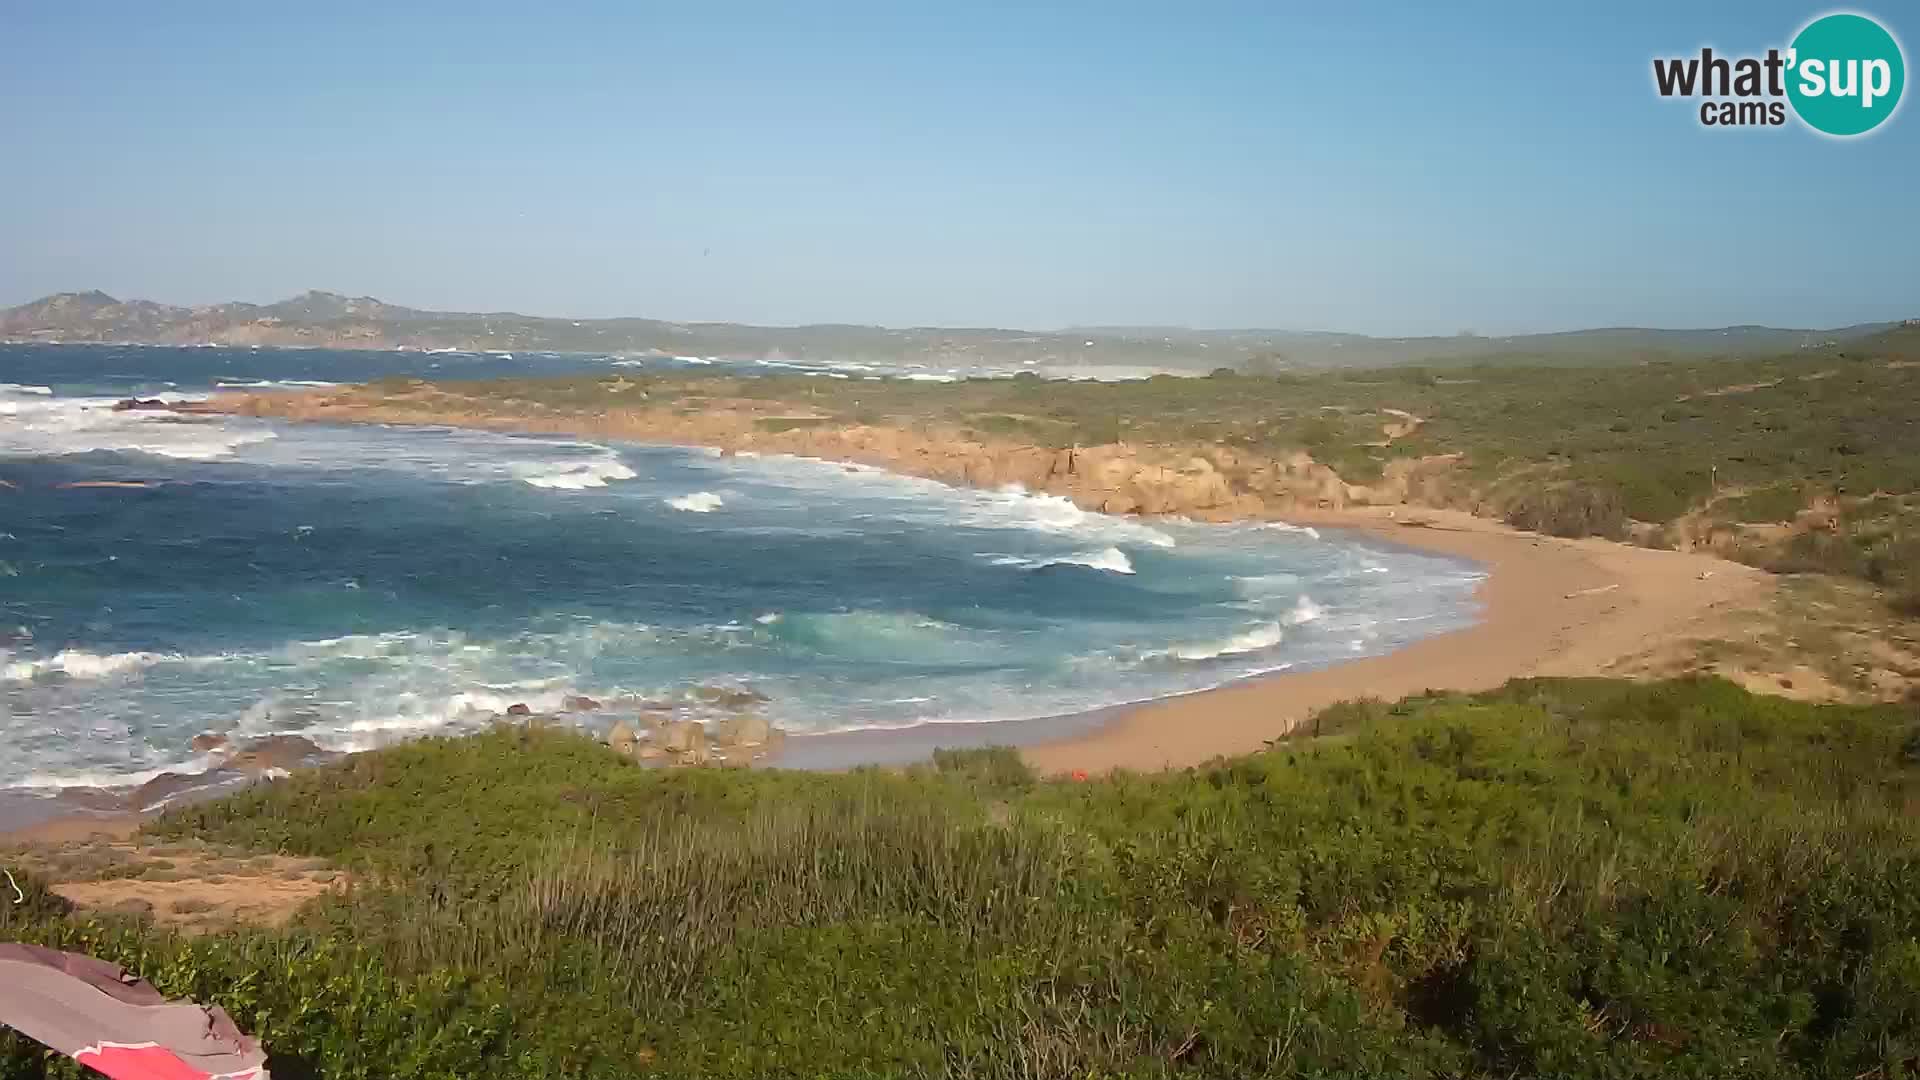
1549 607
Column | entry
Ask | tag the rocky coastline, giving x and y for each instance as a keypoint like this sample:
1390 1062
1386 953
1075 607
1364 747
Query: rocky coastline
1204 482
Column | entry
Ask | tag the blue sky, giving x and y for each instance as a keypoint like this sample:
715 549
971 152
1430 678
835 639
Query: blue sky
1389 168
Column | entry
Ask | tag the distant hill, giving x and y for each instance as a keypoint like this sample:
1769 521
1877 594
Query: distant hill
330 320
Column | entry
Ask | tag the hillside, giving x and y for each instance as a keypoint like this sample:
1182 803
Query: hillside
330 320
1804 461
1561 878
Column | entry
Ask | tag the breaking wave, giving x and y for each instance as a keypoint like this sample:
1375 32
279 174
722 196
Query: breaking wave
1283 526
1264 636
47 426
275 384
1057 513
574 475
79 664
1110 559
699 502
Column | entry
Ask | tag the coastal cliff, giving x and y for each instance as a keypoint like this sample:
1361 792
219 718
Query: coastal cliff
1197 480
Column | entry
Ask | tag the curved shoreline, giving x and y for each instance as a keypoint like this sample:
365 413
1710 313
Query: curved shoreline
1549 606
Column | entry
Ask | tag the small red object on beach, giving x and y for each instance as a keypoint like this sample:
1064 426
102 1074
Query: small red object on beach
1080 775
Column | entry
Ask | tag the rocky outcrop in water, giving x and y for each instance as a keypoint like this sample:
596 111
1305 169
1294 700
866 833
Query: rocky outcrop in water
1202 481
274 752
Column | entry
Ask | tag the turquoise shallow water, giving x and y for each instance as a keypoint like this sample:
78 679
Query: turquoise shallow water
359 585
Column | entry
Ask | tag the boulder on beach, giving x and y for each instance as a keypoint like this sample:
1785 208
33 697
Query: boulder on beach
578 703
623 738
273 752
163 787
519 709
734 740
743 731
131 404
682 735
208 741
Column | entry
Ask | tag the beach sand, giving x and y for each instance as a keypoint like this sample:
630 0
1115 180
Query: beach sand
1549 607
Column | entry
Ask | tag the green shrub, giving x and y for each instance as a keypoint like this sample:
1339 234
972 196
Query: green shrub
993 768
1568 510
1778 502
33 903
1562 877
778 424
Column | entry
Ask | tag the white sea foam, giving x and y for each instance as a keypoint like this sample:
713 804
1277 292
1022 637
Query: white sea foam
699 502
196 449
1110 559
78 664
351 647
574 475
43 425
418 714
1304 611
929 502
1283 526
81 664
266 384
112 778
1264 636
16 388
1261 587
1057 513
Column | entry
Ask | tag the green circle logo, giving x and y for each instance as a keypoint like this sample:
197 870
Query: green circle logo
1845 73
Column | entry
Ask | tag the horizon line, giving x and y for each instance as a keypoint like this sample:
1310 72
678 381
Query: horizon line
1133 329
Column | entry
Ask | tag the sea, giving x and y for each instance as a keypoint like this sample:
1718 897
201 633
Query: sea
165 576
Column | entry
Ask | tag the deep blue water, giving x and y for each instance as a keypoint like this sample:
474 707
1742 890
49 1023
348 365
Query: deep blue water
360 584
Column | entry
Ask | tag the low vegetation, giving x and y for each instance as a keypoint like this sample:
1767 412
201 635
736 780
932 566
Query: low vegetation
1804 462
1561 878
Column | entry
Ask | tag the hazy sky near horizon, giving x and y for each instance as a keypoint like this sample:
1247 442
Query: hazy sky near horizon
1390 168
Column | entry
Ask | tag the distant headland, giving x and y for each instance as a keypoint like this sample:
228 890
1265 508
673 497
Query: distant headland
333 321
